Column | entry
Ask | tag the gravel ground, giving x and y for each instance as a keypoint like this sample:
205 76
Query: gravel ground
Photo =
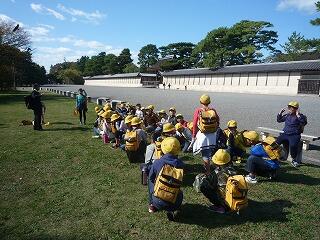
250 110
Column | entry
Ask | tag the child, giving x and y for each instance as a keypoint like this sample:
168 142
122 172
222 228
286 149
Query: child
181 120
139 113
214 185
293 127
117 129
172 116
184 135
138 145
264 160
171 148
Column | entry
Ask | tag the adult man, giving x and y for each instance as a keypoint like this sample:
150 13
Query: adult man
37 107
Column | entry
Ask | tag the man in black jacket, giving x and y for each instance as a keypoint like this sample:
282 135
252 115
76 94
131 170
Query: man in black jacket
36 107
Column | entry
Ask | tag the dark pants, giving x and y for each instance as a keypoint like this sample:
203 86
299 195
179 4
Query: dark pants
137 156
258 165
213 195
82 114
293 141
236 152
37 120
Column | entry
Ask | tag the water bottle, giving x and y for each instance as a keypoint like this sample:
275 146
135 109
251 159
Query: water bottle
144 175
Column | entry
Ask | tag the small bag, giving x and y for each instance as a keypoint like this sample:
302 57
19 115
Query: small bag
75 112
132 143
168 183
208 121
236 193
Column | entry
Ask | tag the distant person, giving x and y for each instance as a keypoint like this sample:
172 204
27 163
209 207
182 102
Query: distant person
294 123
37 107
81 105
164 85
169 85
185 87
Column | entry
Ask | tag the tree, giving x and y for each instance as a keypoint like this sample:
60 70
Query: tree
131 68
71 76
124 58
81 63
111 65
181 55
14 35
148 56
240 44
316 21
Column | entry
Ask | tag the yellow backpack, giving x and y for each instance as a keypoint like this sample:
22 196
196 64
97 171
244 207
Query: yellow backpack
168 183
208 121
274 151
236 193
132 143
159 152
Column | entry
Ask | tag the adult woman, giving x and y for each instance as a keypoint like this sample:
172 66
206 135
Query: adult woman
205 124
81 105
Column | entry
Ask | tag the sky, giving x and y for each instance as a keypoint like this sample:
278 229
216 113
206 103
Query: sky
66 30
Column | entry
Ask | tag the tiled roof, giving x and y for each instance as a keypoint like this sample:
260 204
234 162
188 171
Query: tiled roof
120 75
311 65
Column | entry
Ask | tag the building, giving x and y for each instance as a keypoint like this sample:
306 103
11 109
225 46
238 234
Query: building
283 78
124 80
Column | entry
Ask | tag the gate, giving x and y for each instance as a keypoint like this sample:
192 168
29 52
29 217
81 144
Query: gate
309 86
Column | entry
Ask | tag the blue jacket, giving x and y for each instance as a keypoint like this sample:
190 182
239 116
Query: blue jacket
292 124
156 168
81 102
258 151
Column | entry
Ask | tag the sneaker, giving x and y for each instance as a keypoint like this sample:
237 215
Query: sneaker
152 209
170 216
295 164
217 209
250 179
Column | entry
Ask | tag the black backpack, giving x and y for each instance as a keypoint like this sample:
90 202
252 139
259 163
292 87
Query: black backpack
28 101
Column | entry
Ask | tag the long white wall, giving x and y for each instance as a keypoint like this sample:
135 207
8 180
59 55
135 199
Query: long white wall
283 83
115 82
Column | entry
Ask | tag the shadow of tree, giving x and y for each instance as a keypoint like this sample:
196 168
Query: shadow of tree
66 123
197 214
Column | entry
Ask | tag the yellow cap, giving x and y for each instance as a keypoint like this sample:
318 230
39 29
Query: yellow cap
162 111
179 115
115 117
135 121
251 135
168 127
232 123
205 99
269 140
178 126
150 107
172 109
221 157
107 107
293 104
170 145
97 109
101 112
128 119
106 114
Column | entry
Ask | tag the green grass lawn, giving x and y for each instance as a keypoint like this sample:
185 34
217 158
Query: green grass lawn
61 184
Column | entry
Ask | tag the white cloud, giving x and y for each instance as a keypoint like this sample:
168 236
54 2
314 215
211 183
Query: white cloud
46 26
93 17
6 18
38 8
38 31
301 5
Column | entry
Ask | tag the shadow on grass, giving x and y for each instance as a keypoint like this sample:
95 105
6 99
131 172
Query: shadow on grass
287 177
66 123
197 214
83 129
